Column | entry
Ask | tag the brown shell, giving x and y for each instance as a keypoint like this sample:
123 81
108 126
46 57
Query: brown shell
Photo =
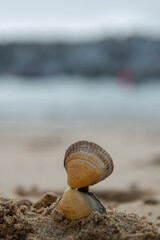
86 164
76 204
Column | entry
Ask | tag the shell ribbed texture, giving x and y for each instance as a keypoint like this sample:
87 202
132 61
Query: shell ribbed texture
86 164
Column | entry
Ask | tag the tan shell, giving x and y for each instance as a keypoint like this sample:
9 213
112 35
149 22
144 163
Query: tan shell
86 164
76 204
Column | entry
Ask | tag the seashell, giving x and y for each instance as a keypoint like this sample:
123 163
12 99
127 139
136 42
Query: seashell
86 164
77 204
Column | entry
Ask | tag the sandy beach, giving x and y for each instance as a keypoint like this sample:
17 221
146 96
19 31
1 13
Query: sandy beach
86 72
32 165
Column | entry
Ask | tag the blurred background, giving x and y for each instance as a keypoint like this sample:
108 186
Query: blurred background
79 70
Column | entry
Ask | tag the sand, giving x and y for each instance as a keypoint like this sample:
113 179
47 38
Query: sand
41 220
32 164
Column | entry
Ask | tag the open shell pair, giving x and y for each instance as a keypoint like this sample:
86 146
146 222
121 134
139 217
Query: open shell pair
86 164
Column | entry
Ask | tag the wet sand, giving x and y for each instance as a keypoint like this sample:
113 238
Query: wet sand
32 164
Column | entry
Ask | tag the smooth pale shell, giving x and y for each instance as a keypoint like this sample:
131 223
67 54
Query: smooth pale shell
76 204
86 164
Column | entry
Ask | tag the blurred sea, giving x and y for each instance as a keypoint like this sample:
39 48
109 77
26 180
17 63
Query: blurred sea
61 100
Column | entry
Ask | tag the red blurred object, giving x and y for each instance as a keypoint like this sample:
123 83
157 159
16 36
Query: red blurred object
126 77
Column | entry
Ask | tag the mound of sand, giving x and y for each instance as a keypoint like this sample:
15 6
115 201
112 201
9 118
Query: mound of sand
41 220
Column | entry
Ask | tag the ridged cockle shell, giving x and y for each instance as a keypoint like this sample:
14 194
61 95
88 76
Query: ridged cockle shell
86 164
77 204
